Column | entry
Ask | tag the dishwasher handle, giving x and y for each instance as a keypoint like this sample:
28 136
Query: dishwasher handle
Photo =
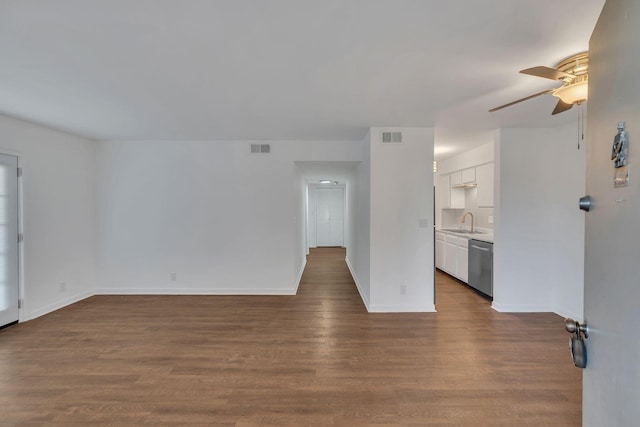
480 248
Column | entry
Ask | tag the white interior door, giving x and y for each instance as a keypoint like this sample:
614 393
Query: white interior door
611 379
9 285
330 216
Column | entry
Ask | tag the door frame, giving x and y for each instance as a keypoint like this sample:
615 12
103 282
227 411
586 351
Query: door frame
309 213
22 316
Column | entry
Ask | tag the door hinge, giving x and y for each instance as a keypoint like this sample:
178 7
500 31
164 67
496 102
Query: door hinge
19 172
20 303
20 237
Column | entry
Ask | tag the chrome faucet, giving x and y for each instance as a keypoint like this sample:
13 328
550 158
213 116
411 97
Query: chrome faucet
464 216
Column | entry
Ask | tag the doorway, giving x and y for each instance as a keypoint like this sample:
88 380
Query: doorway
330 216
326 215
9 260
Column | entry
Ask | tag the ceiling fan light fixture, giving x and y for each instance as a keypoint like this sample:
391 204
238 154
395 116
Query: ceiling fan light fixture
574 93
573 72
581 69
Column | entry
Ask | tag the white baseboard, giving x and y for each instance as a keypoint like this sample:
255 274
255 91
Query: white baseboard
194 291
387 308
296 285
402 308
568 313
59 304
521 308
363 297
535 308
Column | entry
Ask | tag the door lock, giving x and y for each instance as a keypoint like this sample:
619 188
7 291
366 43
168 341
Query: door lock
579 332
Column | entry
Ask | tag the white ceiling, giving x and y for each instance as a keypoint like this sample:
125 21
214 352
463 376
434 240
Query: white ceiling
284 69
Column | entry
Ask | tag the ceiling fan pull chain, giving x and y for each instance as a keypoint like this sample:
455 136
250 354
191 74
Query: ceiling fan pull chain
580 123
582 114
579 126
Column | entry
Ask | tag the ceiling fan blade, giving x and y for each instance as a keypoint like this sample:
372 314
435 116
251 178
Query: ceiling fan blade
561 106
544 92
547 73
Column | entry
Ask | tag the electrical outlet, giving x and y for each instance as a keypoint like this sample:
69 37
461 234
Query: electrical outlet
63 286
490 219
174 277
403 289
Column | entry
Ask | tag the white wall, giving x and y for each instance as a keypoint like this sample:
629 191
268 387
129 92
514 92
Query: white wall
539 231
469 159
58 214
312 238
350 219
222 219
402 222
298 187
567 223
359 230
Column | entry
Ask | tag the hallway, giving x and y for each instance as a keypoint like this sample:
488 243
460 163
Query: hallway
317 358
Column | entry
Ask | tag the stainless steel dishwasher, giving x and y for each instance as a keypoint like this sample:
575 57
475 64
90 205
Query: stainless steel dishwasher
481 266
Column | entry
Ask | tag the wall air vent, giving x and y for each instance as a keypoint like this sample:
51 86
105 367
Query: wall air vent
260 148
391 137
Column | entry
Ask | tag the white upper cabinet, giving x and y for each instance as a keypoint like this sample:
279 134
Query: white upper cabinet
484 178
447 196
468 175
456 194
456 179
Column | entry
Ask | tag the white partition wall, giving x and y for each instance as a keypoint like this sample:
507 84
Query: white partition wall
59 215
204 216
539 230
359 250
401 239
9 246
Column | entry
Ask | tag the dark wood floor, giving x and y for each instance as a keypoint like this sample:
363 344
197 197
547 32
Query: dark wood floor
317 358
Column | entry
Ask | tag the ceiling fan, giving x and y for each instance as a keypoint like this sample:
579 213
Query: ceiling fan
572 72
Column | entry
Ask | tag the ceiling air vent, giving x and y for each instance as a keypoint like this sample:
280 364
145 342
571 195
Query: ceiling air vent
260 148
391 137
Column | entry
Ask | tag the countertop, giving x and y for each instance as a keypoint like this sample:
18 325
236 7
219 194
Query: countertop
485 235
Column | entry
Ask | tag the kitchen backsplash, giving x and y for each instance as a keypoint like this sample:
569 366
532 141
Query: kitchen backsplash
451 217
